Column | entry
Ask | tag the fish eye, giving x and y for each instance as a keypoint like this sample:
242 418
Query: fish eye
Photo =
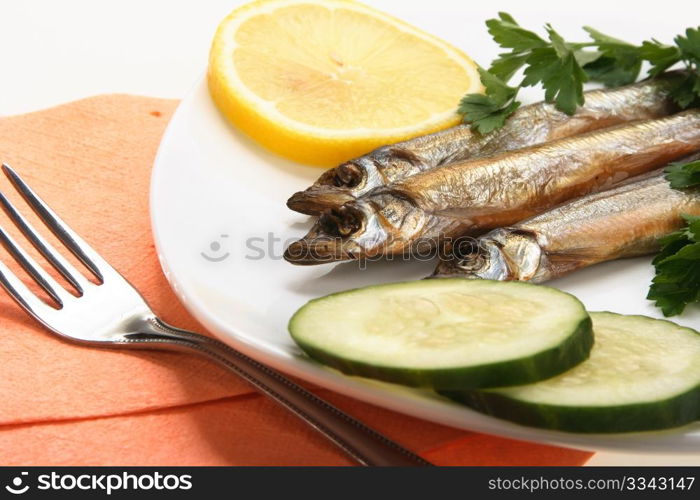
473 262
347 175
465 247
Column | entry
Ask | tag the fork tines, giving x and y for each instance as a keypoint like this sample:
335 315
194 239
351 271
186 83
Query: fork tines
15 287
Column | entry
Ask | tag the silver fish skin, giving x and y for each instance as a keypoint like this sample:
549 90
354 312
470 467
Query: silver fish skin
624 221
432 208
529 125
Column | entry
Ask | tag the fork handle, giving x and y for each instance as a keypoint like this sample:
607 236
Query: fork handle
360 442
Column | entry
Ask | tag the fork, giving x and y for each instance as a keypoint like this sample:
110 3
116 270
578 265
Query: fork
112 313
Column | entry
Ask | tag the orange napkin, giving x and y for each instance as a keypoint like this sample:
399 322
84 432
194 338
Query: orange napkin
70 405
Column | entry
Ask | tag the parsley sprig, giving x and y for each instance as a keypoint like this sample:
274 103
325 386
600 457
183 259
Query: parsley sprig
677 280
562 67
683 175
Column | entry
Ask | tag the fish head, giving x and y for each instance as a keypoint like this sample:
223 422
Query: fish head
505 254
354 179
334 188
361 229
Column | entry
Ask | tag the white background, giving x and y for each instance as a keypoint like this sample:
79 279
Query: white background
57 51
54 52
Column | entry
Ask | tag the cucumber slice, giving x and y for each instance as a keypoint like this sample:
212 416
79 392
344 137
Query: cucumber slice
447 333
643 374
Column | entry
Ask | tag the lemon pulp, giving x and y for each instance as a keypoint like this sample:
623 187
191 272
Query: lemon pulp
322 81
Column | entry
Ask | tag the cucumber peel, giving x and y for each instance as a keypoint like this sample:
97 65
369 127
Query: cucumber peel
448 333
643 374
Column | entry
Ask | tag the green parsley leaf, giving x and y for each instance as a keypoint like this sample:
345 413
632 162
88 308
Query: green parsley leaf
619 62
687 92
604 41
584 57
558 44
484 115
677 280
496 88
558 72
683 175
487 112
562 67
506 65
613 71
693 229
508 34
504 16
689 44
660 56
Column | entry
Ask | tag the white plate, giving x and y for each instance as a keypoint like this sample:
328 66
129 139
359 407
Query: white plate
216 194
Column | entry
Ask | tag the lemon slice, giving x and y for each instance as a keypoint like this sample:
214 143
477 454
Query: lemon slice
323 81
